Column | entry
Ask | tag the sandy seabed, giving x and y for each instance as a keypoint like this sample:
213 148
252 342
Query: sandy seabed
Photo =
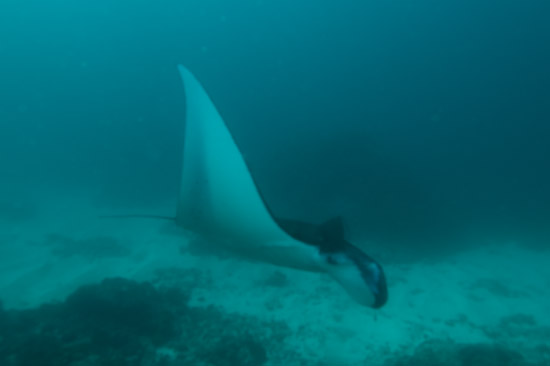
496 296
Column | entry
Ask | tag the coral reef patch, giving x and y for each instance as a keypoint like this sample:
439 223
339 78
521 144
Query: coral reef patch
126 323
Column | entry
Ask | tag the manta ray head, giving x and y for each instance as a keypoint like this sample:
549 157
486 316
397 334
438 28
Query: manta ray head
360 275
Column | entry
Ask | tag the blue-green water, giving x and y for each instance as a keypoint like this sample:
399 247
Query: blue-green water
426 124
418 116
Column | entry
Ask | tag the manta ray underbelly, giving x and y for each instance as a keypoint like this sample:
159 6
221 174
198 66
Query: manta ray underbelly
220 201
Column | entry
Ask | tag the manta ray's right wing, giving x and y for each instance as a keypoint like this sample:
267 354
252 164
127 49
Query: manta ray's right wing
218 196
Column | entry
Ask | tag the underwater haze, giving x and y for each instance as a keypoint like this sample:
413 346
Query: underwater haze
424 124
410 118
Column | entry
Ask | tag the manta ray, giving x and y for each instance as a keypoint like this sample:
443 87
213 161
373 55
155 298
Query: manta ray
220 201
